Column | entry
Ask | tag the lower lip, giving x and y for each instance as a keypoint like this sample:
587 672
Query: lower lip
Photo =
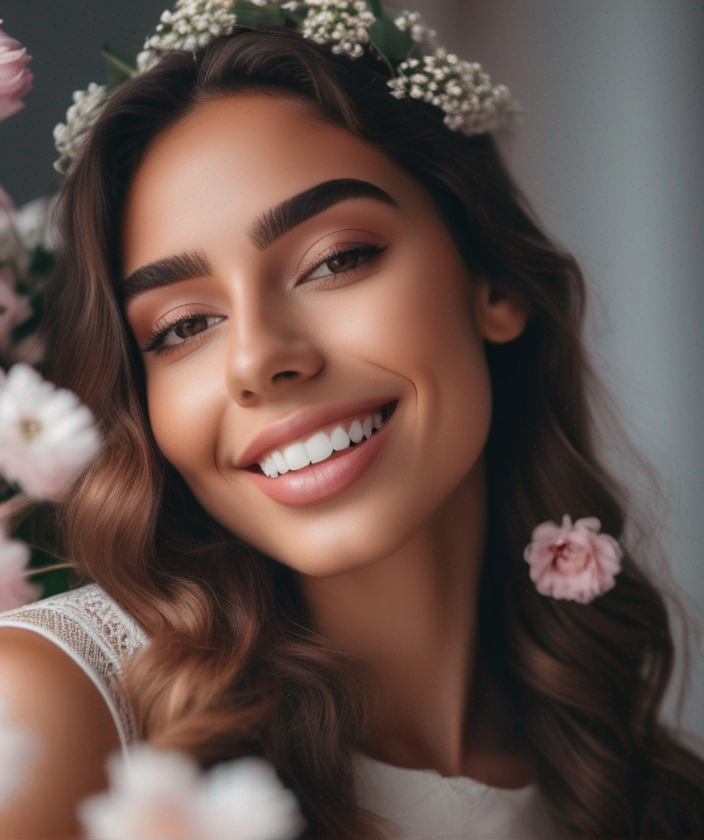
320 482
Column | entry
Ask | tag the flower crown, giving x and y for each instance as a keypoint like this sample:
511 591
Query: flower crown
420 67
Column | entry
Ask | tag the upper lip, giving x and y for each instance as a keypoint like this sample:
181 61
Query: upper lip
305 420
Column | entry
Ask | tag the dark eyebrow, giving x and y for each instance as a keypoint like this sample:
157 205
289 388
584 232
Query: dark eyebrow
262 232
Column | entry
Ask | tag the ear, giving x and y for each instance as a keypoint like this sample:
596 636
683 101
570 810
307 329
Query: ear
499 318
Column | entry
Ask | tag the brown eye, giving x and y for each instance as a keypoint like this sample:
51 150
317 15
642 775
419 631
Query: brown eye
190 326
343 262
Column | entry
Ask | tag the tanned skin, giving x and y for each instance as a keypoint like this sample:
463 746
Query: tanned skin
389 567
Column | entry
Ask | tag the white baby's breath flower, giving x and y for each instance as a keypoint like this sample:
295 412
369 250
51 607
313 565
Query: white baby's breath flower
342 23
80 118
47 436
192 24
473 106
471 103
413 22
18 747
163 794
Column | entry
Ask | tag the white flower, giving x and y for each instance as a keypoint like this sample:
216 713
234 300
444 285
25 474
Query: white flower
342 23
163 794
47 437
247 793
36 223
18 747
80 118
192 24
413 22
471 103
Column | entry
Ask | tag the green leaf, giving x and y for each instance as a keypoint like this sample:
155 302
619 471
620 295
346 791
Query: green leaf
119 68
295 19
247 14
389 39
375 7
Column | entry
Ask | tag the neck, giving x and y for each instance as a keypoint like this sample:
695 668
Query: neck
412 616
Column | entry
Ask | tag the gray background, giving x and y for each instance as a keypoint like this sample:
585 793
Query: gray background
610 156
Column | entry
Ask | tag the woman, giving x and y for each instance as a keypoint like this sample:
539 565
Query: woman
260 234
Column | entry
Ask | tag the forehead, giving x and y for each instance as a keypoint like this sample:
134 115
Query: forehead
230 160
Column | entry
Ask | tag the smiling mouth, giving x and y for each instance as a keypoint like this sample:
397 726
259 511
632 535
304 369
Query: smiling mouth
386 411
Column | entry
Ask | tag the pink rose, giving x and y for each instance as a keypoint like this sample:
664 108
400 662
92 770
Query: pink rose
15 78
573 562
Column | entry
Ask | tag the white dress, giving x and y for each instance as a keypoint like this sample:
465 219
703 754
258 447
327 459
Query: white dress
97 634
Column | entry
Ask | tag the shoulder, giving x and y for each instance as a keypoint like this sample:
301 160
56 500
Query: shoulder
48 694
89 627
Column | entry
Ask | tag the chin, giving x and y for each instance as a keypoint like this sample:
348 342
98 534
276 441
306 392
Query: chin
335 559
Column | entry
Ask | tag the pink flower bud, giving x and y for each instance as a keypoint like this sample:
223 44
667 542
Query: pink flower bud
573 562
15 78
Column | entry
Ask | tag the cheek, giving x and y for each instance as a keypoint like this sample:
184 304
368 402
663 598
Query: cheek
182 415
422 326
439 348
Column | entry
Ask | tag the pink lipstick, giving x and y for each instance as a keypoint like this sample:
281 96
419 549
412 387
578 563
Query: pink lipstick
317 483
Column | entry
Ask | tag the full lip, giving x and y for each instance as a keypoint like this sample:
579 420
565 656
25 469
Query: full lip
305 420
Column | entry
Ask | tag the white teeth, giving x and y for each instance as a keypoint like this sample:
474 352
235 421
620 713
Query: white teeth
319 447
356 432
339 439
269 467
280 463
296 456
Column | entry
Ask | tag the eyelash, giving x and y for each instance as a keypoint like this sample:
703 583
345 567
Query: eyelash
156 338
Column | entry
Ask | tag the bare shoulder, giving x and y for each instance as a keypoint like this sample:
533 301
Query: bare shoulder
46 692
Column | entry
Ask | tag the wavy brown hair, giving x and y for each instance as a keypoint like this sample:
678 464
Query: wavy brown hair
234 666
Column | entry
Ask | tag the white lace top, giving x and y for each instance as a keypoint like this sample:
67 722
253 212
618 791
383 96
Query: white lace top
98 635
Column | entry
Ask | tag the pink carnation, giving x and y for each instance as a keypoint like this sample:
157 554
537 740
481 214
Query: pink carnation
573 562
15 78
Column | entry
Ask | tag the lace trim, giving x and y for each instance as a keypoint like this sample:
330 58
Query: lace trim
97 633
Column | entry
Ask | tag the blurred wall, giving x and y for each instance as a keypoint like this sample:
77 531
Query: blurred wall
609 155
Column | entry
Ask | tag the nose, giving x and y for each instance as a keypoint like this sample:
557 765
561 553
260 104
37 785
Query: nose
270 353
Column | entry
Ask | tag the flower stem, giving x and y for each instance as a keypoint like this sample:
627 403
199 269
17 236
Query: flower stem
32 572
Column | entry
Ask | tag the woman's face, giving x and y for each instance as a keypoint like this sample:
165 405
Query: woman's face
275 329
